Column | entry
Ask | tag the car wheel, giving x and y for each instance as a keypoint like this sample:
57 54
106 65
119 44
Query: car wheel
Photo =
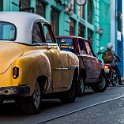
32 104
101 85
70 95
115 79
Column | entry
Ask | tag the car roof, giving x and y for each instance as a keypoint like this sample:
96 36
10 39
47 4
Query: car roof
23 22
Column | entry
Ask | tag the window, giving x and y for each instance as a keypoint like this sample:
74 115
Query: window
67 44
82 46
81 11
89 11
7 31
73 6
72 27
1 5
119 22
89 51
24 5
81 29
55 21
48 33
40 8
37 33
90 35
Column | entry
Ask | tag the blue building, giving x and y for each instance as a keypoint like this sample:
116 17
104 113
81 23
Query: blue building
119 34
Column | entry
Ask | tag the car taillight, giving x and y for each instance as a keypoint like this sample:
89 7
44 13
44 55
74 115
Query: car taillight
15 72
106 67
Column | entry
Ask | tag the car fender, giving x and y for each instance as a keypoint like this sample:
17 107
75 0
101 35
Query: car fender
73 62
31 66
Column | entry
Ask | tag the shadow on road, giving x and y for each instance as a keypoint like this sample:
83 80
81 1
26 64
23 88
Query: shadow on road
13 109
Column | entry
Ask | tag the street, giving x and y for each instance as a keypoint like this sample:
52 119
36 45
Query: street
111 112
95 108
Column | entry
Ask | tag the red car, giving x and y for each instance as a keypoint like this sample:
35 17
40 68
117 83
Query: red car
91 69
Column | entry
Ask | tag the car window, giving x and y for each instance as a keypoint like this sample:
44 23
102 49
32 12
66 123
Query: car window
58 41
36 33
89 51
82 47
47 33
66 44
7 31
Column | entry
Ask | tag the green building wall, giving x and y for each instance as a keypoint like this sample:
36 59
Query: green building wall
100 18
105 22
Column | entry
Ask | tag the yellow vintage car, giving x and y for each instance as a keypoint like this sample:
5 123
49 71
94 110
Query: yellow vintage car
31 64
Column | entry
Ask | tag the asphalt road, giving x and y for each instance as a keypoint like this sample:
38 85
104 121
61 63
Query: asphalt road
110 112
95 108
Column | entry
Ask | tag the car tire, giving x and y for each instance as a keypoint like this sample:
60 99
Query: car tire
70 95
101 85
32 104
115 79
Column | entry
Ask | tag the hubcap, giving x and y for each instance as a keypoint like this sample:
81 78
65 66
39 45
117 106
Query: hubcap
37 95
115 79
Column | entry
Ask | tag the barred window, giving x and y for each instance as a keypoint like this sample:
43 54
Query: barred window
81 11
36 33
72 27
55 21
25 5
81 30
89 11
40 8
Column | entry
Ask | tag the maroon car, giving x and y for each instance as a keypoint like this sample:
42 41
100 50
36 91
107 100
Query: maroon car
91 71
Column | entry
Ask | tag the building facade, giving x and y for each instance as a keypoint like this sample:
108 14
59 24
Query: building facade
119 34
116 31
68 18
100 20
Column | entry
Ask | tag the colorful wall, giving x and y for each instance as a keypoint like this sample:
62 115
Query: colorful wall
88 21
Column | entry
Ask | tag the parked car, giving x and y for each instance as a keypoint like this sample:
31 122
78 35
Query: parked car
31 64
91 68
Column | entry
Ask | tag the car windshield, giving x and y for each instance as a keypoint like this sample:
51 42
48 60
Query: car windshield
7 31
65 43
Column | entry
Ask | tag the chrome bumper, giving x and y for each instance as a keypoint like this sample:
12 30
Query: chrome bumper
14 90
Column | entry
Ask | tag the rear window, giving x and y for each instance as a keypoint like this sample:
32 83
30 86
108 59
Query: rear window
7 31
65 44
